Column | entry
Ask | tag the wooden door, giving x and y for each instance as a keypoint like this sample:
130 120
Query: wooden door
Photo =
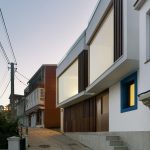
102 112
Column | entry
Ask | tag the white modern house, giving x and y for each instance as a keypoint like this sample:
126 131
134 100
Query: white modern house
20 111
143 7
103 79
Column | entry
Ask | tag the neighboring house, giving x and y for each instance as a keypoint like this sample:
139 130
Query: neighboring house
99 79
143 6
40 96
21 116
16 99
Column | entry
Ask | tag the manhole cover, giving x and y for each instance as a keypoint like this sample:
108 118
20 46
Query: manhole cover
44 146
72 144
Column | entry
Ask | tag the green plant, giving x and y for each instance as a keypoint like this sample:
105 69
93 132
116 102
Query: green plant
8 128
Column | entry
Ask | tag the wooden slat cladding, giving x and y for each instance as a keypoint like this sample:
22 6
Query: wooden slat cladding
83 70
80 117
118 28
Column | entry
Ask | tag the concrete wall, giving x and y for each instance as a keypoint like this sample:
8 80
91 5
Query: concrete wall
136 120
97 141
130 30
136 140
144 73
61 119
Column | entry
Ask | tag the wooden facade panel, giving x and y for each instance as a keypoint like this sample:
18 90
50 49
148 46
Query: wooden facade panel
102 112
80 117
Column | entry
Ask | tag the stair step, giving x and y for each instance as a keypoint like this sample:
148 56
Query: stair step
116 143
112 138
120 148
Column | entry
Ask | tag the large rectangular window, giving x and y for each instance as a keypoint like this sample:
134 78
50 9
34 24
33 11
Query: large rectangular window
102 48
129 93
68 83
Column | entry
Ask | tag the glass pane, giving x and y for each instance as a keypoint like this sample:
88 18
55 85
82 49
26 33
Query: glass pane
68 82
132 95
101 48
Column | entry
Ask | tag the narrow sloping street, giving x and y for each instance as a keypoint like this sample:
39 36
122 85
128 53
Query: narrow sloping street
45 139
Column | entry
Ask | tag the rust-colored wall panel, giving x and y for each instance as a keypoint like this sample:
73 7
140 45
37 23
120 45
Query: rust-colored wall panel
51 113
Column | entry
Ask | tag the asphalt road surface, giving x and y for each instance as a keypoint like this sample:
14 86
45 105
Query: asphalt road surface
45 139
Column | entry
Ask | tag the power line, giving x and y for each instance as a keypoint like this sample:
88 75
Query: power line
22 75
8 37
3 78
5 89
20 81
4 53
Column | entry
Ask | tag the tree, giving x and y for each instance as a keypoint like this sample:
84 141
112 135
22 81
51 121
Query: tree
8 128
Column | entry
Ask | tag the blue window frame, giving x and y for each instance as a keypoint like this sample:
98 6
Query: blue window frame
129 93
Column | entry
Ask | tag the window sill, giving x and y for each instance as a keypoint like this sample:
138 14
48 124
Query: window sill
147 61
123 110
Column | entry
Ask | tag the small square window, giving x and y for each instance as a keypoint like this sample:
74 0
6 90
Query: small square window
129 93
148 35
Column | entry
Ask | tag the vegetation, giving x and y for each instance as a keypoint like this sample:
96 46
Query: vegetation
8 128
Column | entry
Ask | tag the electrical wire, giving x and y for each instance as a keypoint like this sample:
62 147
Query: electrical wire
8 37
4 53
22 75
20 81
5 90
4 78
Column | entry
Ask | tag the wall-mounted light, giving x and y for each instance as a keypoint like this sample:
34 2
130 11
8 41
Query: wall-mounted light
90 94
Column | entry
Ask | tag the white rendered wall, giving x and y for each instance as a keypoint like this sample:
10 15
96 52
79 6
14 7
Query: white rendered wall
130 30
35 98
136 120
144 73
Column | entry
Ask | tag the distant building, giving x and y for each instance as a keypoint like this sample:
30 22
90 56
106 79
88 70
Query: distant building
20 107
16 99
40 99
8 107
1 108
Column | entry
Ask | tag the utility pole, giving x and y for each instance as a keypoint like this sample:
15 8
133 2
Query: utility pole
12 102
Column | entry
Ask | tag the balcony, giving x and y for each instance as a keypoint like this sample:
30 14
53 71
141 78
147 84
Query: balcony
35 100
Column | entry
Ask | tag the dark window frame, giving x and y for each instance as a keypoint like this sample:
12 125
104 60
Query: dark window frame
118 29
125 83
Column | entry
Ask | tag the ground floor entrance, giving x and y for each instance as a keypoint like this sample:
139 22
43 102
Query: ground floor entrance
102 112
35 119
88 116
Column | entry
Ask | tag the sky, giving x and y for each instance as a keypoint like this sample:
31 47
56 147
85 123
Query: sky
41 32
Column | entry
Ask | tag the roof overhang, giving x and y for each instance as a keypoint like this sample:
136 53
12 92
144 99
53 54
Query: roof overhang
145 98
75 99
34 109
138 4
112 75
